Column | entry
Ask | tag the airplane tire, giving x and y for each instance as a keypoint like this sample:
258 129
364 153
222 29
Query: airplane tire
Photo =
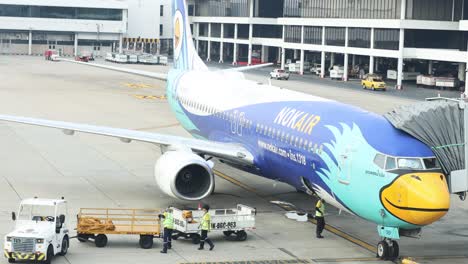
395 251
382 250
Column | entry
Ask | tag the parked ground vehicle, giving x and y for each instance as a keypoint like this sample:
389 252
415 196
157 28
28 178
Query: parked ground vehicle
97 223
407 76
279 74
337 72
437 82
52 55
233 221
316 69
82 58
374 82
40 232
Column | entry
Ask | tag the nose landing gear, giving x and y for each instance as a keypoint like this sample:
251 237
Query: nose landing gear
388 249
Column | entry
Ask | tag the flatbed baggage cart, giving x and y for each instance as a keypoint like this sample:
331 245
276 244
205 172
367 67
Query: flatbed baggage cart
235 221
97 223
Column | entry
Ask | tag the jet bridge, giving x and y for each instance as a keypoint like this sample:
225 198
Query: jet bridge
439 123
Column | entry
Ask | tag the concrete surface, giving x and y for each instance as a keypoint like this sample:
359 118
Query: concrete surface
95 171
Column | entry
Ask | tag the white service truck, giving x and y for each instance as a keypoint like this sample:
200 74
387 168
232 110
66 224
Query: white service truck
40 231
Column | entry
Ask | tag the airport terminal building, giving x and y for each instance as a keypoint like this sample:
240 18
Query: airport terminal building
71 27
406 36
75 27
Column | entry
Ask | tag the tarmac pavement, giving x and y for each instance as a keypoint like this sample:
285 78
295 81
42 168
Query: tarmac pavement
95 171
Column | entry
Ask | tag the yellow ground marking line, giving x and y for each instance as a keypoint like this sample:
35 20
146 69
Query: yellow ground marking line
150 97
138 85
340 260
236 182
329 228
278 261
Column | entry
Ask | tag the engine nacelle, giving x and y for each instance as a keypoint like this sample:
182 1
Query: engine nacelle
184 175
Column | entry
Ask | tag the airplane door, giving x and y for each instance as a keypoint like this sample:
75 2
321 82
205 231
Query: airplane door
345 167
346 162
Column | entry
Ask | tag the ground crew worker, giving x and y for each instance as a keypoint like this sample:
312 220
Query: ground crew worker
320 217
205 226
168 224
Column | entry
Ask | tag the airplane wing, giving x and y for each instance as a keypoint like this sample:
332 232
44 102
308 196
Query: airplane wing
154 75
159 76
247 68
231 152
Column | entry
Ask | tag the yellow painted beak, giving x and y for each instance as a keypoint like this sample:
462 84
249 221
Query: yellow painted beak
417 198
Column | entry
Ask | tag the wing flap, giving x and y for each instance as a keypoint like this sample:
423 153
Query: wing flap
232 152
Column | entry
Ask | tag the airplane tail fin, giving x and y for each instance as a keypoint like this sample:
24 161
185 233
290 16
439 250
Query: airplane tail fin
185 54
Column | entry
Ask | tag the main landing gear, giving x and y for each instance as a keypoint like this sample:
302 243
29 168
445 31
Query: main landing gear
388 249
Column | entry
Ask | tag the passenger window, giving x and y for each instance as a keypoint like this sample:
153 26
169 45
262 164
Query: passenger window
315 148
390 164
296 141
310 146
320 150
379 160
305 144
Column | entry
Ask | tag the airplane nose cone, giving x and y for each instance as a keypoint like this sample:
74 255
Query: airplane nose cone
417 198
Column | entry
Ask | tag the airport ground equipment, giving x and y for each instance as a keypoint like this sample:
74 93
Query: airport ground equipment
407 76
440 123
279 74
51 55
233 221
40 232
97 223
337 72
437 82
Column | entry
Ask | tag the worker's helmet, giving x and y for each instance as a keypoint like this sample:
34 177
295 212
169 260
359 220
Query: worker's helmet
206 207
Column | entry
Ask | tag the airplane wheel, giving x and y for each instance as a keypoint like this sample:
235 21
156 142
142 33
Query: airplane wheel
382 250
395 251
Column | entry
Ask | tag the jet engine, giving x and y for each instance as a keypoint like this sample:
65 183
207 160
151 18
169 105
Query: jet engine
184 175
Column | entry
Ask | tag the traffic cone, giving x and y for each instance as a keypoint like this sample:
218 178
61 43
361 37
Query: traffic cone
199 206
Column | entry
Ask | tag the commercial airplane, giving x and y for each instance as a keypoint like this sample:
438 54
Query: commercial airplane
353 159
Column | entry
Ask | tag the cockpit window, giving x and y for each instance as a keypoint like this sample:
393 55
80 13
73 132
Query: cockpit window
390 164
379 160
408 163
431 163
